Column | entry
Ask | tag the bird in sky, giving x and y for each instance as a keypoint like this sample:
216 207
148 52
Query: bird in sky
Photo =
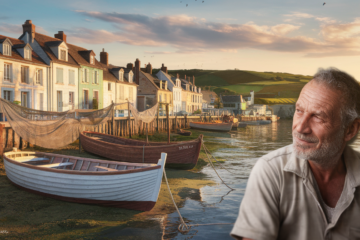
203 1
324 3
186 5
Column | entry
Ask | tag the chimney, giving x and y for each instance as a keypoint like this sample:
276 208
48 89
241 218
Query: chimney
104 57
30 28
164 69
130 66
177 76
165 85
137 71
60 35
149 68
193 80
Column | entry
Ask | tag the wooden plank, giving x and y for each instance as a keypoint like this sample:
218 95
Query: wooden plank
55 165
105 168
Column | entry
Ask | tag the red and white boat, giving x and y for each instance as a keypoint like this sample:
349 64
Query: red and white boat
223 127
84 180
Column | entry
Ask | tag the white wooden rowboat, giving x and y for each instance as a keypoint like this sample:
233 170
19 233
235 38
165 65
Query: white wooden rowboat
223 127
85 180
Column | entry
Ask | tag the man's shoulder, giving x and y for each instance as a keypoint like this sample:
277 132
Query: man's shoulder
278 155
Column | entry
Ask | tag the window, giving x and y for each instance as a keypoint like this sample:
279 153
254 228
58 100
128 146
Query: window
86 99
86 75
109 86
38 76
71 77
7 72
7 49
59 75
24 74
92 59
160 98
63 55
96 77
24 99
130 94
27 54
96 96
122 94
7 95
71 100
121 76
165 97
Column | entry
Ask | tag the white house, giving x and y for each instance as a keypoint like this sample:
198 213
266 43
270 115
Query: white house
23 74
174 85
63 74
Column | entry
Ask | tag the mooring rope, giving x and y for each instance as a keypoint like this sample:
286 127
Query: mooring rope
221 165
212 165
183 227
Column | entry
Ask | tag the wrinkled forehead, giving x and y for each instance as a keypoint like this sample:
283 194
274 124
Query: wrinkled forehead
316 97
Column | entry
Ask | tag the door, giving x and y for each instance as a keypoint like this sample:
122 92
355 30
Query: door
59 101
86 99
71 100
24 99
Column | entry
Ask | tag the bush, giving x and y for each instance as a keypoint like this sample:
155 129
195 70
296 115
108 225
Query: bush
197 111
17 102
95 103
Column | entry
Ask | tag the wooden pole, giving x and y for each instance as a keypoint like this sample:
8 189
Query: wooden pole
147 139
129 119
2 145
175 123
168 121
113 119
157 118
185 120
79 145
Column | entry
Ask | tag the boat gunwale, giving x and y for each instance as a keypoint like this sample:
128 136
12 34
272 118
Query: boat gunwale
165 144
78 172
207 123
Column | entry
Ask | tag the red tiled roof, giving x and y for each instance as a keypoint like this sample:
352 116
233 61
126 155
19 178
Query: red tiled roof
15 55
44 40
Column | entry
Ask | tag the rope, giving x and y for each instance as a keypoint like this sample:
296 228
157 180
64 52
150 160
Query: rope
221 165
212 165
183 227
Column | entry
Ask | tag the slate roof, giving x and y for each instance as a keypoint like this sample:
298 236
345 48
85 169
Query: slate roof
15 55
78 54
231 98
44 40
109 76
153 80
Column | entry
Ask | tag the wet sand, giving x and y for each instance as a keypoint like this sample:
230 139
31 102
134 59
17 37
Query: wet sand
25 215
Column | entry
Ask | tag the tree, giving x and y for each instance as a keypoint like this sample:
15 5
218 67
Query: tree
218 103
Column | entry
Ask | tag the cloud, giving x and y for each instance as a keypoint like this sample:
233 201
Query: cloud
193 35
333 54
158 52
296 16
10 28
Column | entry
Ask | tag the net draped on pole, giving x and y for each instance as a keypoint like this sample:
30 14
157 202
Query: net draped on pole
52 129
146 116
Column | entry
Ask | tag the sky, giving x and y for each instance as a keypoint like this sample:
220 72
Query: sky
260 35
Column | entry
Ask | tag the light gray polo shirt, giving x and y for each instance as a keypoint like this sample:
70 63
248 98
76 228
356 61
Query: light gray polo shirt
280 201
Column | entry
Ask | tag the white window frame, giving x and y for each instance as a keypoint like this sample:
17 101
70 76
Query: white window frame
7 72
39 76
61 57
27 54
121 76
7 95
26 72
57 80
92 58
71 82
109 86
7 49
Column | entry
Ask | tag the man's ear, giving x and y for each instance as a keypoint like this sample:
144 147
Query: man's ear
352 130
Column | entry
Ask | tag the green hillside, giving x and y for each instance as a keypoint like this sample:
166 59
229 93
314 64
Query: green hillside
265 84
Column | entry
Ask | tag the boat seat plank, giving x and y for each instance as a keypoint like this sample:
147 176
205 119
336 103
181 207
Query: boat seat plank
105 168
27 159
55 165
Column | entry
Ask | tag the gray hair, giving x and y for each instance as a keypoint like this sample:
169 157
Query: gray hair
339 80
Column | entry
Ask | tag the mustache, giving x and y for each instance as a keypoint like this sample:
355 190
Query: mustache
305 138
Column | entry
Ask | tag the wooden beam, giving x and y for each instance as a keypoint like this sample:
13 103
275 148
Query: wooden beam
129 119
168 121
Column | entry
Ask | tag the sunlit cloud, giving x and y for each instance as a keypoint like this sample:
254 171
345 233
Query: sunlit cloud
10 28
189 34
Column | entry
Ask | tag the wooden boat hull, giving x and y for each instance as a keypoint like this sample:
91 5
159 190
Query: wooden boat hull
222 127
184 133
180 155
137 188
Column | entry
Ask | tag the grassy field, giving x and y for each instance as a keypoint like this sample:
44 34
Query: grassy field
210 80
243 88
270 82
271 101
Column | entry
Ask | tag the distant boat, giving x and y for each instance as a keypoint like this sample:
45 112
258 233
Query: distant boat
85 180
180 155
223 127
183 132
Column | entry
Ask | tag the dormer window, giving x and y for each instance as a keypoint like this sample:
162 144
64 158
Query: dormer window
63 55
121 77
7 49
131 78
27 54
92 60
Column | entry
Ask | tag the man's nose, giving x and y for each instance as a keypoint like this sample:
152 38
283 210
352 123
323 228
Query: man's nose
303 124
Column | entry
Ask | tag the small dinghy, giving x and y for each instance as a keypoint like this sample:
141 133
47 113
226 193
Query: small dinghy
222 127
84 180
183 132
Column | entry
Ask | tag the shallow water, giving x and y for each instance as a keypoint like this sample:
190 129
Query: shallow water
217 203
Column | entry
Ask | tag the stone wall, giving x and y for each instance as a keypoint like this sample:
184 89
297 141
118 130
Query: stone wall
284 111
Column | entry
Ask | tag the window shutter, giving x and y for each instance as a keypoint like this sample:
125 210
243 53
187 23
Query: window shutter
92 77
97 77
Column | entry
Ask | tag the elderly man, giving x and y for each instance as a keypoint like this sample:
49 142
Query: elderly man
310 189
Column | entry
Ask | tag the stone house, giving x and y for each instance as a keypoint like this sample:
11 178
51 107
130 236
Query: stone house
232 103
152 90
23 74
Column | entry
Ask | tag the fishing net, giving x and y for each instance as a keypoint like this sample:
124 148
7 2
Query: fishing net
146 116
52 129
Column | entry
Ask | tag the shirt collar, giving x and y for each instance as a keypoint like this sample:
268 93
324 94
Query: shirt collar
299 166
